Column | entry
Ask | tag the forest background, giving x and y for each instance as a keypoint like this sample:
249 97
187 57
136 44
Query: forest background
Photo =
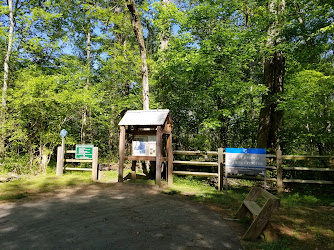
237 73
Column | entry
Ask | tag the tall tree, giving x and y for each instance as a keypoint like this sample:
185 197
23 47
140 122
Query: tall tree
274 69
5 75
165 34
138 30
87 30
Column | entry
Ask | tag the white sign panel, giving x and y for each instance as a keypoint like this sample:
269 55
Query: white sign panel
249 161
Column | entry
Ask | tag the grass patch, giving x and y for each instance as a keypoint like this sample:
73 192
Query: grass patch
303 221
30 185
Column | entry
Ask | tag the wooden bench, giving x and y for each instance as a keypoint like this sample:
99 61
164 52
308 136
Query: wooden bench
260 214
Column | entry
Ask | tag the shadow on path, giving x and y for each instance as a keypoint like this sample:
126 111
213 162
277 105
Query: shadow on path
119 216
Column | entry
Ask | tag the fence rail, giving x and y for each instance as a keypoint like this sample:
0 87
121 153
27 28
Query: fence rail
278 167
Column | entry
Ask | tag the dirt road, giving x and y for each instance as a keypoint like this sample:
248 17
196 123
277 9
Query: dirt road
117 216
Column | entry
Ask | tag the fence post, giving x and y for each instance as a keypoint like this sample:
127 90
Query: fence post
220 168
279 181
60 161
94 163
170 160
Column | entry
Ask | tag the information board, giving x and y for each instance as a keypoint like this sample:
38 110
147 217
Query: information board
84 151
248 161
143 145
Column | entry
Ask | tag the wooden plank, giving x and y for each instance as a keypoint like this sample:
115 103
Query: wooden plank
256 178
309 169
180 152
78 169
307 181
285 157
143 158
142 132
196 163
253 207
305 157
77 160
253 194
261 220
70 151
268 195
195 173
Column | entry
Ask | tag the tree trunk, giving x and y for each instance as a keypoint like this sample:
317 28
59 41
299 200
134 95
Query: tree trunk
85 108
165 33
5 76
137 28
270 120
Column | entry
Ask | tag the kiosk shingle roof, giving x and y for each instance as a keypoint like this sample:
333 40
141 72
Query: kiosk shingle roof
155 117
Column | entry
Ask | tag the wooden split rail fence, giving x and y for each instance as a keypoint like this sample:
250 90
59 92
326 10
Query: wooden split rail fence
278 167
61 161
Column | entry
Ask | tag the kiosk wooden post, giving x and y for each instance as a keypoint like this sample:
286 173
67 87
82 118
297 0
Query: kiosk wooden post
121 153
159 155
146 124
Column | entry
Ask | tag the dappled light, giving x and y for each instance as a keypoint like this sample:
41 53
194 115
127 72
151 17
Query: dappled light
121 215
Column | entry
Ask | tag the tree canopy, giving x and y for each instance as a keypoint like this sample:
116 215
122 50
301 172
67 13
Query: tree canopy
239 73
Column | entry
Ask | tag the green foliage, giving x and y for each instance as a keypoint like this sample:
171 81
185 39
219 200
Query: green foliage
210 76
309 111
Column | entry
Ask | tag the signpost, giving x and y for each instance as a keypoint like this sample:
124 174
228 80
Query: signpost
61 153
83 153
248 161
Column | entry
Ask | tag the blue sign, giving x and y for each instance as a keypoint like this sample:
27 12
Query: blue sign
246 150
63 133
249 161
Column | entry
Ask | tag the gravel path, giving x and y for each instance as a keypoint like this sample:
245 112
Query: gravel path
117 216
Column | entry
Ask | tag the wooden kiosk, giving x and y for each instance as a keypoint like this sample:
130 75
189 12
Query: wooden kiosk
147 128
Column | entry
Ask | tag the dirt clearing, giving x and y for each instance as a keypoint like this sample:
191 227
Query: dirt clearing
113 216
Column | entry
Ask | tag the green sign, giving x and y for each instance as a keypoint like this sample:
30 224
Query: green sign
84 152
